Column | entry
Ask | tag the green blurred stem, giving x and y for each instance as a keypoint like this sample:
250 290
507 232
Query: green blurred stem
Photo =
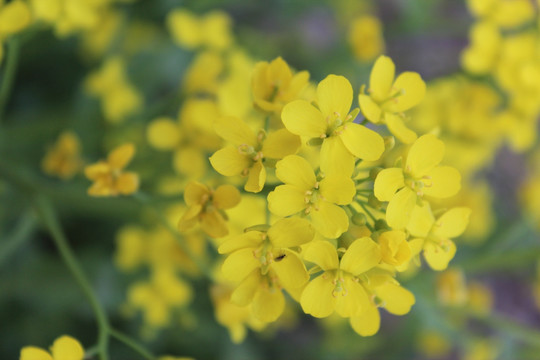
48 216
129 342
18 237
8 75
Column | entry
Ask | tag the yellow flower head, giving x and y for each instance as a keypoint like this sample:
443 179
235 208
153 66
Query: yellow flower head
365 37
395 249
249 153
206 207
64 348
64 158
331 123
14 17
388 99
434 236
108 175
338 287
420 176
260 257
316 197
274 85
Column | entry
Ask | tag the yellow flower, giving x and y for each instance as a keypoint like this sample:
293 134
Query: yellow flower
365 37
108 176
317 197
452 288
274 85
64 348
388 99
259 258
249 153
434 235
338 288
395 249
388 294
481 56
331 122
213 30
204 73
206 207
64 158
14 17
403 188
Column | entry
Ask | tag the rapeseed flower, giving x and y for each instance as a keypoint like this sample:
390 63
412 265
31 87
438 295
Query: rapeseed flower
64 158
64 348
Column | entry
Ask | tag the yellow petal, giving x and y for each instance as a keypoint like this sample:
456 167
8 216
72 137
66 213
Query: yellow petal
381 78
369 108
398 129
213 224
286 200
189 218
67 348
334 96
256 178
296 171
127 183
244 293
226 197
268 304
387 182
422 221
290 232
323 254
163 134
398 212
452 223
251 239
119 157
290 270
280 143
317 299
97 170
185 28
438 257
424 155
445 182
302 118
368 322
413 90
362 255
196 193
335 158
235 131
397 300
353 300
238 265
395 249
337 189
229 161
330 220
362 142
34 353
14 17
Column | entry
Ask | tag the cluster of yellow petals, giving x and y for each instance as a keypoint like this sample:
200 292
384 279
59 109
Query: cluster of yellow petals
64 348
63 159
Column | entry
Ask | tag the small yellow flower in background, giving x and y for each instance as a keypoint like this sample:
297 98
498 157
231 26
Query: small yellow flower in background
433 344
119 99
338 289
365 37
316 197
388 99
481 55
331 123
482 349
249 153
206 207
503 13
452 288
14 17
64 158
434 236
213 30
480 298
64 348
420 176
263 262
274 85
108 176
203 74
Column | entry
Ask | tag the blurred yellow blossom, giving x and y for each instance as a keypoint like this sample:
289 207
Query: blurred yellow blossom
64 348
64 158
365 37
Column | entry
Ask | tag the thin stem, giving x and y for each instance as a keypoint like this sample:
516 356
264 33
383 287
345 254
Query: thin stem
9 74
368 212
48 216
129 342
18 237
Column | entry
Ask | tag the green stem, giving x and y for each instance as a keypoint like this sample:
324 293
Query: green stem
48 216
368 212
129 342
19 236
9 74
